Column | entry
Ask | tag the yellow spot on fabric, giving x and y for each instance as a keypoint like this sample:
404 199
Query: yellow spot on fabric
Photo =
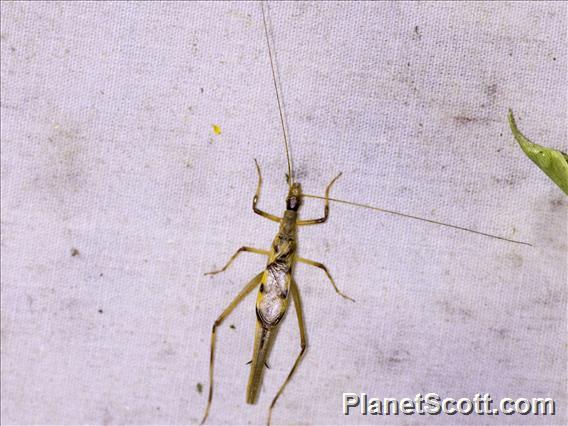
216 129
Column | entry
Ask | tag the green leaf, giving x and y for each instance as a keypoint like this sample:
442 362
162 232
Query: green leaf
552 162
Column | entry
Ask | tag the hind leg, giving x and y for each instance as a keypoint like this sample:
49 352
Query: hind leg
303 345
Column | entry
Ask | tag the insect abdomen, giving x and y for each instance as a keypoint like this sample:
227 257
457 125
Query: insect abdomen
261 343
272 300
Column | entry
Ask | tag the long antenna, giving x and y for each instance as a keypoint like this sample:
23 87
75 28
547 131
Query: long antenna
417 218
270 54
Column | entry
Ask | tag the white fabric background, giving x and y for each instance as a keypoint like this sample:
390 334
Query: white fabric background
108 148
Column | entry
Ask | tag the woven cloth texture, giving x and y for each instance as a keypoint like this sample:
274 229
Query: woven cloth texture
129 132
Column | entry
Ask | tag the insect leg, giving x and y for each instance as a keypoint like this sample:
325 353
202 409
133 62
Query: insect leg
303 343
246 290
324 269
325 209
257 195
233 257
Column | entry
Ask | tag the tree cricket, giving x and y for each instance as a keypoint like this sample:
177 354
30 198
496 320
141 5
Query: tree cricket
276 282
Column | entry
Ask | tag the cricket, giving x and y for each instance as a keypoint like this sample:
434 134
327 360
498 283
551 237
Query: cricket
276 282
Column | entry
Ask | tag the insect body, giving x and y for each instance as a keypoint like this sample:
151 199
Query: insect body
276 283
276 286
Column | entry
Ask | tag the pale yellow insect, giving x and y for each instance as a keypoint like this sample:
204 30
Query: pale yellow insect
276 281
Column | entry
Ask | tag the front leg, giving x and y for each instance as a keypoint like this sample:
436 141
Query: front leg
257 195
325 209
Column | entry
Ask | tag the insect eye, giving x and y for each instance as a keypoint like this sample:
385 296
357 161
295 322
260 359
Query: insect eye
292 203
